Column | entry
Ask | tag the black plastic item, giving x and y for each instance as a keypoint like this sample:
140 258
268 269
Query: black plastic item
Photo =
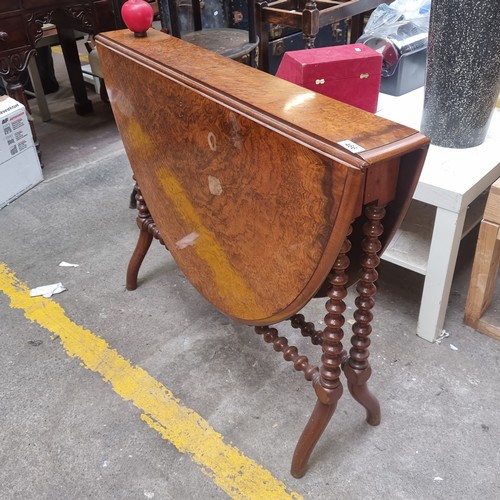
409 74
403 46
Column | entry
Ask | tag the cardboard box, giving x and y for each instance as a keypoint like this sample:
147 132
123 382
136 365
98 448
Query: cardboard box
19 164
347 73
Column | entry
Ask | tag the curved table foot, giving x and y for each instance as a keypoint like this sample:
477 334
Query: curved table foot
141 249
318 421
365 398
148 231
358 387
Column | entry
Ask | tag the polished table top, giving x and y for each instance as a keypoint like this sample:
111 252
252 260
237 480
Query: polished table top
247 176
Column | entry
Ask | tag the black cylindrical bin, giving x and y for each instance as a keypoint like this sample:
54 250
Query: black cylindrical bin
463 71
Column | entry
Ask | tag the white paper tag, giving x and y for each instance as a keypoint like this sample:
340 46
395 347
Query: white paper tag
351 146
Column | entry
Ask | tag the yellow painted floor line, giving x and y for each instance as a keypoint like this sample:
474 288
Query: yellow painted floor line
84 58
239 476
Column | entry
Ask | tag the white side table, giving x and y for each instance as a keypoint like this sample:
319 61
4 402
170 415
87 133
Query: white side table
452 181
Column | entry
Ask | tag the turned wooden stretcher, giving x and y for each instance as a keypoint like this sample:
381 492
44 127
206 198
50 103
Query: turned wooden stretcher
259 188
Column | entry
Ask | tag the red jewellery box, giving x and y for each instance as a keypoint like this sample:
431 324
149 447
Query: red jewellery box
347 73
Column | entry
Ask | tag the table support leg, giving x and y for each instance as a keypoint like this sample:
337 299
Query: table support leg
448 228
334 360
148 231
36 81
356 367
328 386
83 105
315 427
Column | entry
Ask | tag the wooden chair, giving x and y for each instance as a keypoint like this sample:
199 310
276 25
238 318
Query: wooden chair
229 42
308 16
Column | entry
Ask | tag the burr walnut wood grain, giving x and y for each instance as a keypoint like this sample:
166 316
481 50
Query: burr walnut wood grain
287 191
243 176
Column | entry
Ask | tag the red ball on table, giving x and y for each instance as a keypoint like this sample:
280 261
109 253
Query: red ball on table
137 16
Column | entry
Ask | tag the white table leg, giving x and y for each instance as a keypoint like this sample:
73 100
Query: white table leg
446 236
38 89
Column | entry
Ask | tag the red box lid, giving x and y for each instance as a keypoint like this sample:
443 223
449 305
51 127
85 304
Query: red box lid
349 73
341 61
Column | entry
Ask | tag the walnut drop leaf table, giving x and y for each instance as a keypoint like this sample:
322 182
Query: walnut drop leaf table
266 194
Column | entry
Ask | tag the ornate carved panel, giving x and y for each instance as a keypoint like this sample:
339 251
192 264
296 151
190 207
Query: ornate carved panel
12 64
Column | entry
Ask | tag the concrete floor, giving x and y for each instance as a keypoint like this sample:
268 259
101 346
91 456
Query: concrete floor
67 434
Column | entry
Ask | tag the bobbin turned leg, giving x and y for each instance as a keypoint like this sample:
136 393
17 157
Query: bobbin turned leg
327 385
356 366
148 230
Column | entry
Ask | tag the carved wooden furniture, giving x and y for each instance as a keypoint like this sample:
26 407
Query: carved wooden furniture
229 42
485 268
259 192
21 24
308 16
